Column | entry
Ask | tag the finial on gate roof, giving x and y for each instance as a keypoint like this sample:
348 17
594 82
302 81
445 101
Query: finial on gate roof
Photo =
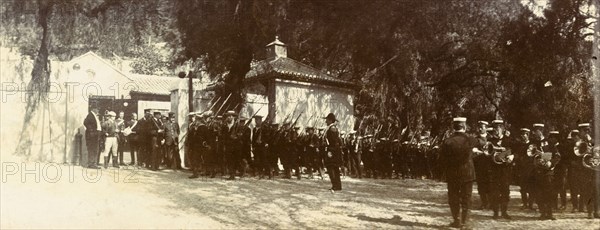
276 49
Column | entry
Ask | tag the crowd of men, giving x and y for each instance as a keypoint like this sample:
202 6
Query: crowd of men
545 165
152 140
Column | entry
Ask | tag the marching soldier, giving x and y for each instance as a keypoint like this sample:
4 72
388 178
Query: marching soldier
212 154
198 136
353 157
259 147
312 152
245 157
456 155
275 147
500 174
231 144
483 164
368 155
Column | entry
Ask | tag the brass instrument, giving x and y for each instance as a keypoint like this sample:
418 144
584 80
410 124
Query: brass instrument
582 148
502 155
543 160
592 160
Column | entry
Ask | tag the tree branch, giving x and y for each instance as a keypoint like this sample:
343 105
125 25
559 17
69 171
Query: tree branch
103 7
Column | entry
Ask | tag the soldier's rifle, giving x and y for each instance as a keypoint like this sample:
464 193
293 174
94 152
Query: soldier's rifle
296 120
223 105
209 109
250 118
213 105
376 134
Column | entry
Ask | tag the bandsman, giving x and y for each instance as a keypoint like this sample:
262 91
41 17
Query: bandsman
500 173
483 162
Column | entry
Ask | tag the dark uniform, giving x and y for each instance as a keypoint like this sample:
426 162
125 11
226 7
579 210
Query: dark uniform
544 177
259 138
132 139
333 151
590 192
483 165
198 136
172 144
500 174
156 131
245 157
230 138
456 155
311 142
524 169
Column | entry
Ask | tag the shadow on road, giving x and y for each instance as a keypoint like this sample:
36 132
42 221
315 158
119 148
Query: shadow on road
395 220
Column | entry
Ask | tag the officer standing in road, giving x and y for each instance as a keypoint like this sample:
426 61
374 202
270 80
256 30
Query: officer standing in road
333 151
456 156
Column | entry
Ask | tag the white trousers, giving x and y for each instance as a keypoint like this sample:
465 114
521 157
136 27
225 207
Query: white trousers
110 144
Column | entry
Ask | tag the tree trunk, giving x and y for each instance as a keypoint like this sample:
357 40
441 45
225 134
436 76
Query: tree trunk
38 86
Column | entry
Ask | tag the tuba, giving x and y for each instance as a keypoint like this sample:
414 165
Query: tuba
592 160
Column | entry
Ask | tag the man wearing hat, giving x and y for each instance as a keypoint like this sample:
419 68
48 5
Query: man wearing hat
575 172
120 121
93 130
245 156
172 142
352 146
590 191
483 164
561 171
259 147
333 152
311 143
157 131
544 175
524 168
456 155
132 138
501 169
231 143
144 138
111 145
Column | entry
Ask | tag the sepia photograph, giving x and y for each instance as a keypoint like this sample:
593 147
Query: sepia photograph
300 114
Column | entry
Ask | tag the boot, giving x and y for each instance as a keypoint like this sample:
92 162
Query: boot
505 215
298 174
456 223
115 163
495 208
464 216
484 201
105 162
524 200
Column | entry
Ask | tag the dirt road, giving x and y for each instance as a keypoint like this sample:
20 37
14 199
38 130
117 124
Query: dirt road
131 198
